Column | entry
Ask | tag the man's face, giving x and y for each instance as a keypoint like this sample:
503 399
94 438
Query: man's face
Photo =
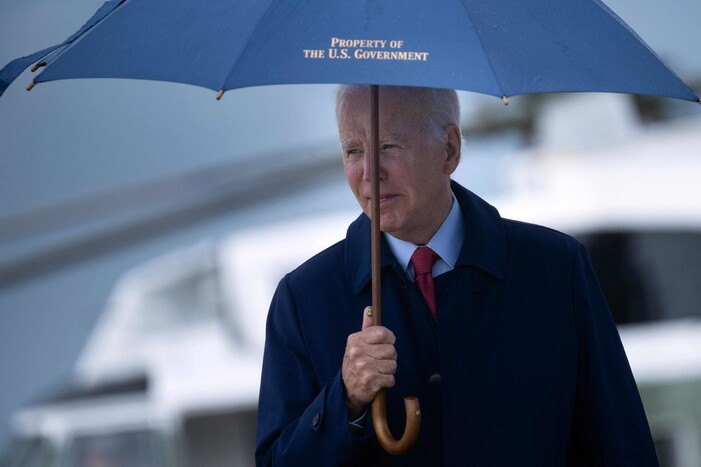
414 168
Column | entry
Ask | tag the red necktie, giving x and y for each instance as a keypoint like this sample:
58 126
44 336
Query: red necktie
422 260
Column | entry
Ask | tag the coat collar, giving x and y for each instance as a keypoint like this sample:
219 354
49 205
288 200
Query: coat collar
484 246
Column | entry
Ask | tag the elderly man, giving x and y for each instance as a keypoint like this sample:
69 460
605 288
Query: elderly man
498 327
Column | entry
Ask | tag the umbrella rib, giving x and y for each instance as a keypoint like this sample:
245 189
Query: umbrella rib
54 54
630 30
482 48
235 63
625 26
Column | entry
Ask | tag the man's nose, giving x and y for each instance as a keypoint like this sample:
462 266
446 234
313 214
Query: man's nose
367 166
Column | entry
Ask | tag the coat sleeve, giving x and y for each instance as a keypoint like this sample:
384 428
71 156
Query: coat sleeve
301 421
610 427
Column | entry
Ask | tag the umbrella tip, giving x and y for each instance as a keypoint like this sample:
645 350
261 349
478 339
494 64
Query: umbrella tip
220 94
504 100
37 66
31 85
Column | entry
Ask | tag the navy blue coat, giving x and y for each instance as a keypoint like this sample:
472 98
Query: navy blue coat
523 366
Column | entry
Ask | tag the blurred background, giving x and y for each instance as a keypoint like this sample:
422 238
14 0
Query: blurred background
141 222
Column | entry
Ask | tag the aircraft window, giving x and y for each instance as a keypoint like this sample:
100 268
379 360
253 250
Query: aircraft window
126 449
648 275
28 452
225 438
188 301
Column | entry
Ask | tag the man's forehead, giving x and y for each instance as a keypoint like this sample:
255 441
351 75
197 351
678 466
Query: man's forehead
354 139
400 114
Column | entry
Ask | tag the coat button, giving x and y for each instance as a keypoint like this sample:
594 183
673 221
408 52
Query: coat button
434 380
316 419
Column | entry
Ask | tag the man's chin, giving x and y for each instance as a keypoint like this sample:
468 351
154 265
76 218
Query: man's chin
388 227
387 224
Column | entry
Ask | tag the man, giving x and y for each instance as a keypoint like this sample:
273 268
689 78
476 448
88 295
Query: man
500 328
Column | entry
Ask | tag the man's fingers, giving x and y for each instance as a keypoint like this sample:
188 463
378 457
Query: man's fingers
368 318
376 335
379 382
386 367
369 363
367 376
367 354
372 334
381 352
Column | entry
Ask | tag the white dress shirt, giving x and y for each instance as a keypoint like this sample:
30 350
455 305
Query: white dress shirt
446 242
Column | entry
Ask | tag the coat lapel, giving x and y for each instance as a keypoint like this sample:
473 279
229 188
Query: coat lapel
357 255
484 246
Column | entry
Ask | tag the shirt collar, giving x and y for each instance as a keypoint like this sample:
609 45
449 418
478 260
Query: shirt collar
484 245
446 242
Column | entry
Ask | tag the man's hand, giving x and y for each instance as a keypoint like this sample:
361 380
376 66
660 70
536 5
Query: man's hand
369 365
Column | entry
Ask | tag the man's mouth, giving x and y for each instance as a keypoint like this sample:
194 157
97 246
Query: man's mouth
384 198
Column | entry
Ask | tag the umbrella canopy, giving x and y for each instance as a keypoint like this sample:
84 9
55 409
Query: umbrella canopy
496 47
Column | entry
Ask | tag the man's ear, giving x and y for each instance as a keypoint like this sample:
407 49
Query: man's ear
453 146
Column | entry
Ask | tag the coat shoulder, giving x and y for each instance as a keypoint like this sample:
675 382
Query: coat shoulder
327 263
532 236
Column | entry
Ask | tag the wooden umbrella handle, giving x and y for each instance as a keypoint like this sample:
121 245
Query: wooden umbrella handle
379 403
412 426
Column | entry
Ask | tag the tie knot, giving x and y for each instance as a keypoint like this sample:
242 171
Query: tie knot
423 259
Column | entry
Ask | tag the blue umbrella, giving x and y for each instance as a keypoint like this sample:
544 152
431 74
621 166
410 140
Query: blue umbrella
497 47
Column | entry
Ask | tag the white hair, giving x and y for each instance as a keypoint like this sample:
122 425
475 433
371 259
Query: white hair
442 105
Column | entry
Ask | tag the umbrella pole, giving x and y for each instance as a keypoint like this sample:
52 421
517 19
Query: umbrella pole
379 404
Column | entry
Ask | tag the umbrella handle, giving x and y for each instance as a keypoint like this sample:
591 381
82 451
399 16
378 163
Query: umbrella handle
412 425
379 403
